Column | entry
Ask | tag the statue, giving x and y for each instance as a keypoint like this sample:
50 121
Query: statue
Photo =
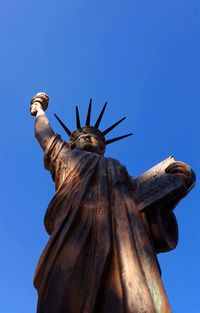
105 227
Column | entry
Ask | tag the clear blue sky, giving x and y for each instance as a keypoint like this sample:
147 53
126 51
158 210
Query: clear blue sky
143 57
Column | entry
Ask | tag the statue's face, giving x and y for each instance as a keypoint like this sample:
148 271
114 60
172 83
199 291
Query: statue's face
88 142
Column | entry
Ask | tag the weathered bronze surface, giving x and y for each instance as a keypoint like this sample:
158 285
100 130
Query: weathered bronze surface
105 227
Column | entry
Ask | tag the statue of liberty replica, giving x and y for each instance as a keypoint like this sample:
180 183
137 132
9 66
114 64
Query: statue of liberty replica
105 227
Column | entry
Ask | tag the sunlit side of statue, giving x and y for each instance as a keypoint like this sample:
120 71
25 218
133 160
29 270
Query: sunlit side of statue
105 227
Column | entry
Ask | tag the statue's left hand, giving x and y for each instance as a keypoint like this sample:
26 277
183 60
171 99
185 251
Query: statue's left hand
184 171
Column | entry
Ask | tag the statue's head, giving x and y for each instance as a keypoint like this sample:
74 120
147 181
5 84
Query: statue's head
90 138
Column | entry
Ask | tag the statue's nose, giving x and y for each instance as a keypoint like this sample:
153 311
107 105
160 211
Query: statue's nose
88 138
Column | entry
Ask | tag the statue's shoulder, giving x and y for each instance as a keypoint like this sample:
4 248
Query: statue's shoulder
117 164
113 161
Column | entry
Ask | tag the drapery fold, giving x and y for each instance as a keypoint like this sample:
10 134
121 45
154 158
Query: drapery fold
99 258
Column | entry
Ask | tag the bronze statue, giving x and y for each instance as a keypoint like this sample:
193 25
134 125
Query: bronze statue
105 227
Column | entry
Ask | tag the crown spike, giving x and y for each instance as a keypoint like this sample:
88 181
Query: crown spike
63 125
117 138
100 116
105 132
89 114
78 123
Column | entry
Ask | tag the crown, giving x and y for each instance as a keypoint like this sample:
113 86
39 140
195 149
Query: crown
93 130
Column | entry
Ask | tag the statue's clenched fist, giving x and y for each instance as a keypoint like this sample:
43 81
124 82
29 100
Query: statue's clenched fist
39 103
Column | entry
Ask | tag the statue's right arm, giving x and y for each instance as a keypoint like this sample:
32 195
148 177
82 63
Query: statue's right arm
43 130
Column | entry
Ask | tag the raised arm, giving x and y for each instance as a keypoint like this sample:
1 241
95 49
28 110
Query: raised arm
43 130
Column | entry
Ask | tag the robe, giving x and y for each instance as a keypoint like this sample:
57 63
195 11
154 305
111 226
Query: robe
101 255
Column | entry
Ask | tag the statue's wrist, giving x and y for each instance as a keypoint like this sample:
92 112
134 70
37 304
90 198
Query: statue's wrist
40 111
